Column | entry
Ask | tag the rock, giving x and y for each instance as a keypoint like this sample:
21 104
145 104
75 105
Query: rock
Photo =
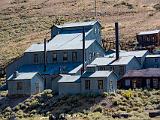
154 114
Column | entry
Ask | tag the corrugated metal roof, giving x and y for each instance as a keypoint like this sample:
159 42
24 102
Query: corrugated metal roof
75 70
102 61
23 76
97 74
77 24
50 69
69 78
149 32
138 53
123 60
150 72
153 56
64 41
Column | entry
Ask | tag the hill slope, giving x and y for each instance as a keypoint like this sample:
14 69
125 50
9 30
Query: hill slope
23 22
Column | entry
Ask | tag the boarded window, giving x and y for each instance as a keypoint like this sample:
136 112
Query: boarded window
74 56
127 83
65 57
54 57
35 59
87 84
100 84
19 85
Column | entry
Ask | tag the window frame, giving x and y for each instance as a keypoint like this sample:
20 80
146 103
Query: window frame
100 84
65 58
35 58
19 85
87 85
74 56
54 59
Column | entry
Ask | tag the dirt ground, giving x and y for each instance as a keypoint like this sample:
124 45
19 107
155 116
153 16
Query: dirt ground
23 22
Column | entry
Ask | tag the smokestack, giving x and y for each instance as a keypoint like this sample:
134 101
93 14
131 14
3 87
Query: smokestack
45 54
117 40
83 50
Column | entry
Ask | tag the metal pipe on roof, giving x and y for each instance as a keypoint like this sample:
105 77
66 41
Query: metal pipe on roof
45 54
83 50
117 40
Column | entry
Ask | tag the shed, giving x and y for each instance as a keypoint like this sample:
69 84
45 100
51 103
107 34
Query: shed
69 85
25 84
98 82
144 78
152 61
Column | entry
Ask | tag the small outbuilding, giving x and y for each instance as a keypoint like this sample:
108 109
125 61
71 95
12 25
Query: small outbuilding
25 84
144 78
98 82
69 85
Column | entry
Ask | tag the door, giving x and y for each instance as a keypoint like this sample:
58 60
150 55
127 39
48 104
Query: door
37 88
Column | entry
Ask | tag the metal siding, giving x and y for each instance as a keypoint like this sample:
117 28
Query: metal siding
133 65
39 80
150 62
12 88
94 85
69 88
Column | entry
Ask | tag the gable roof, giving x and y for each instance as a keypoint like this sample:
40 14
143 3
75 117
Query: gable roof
24 76
102 61
137 53
63 41
77 24
96 74
123 60
150 72
149 32
69 78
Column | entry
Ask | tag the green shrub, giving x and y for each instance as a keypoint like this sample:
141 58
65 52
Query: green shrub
98 109
127 94
104 94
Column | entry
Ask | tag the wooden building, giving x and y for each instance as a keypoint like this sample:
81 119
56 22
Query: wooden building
148 38
144 78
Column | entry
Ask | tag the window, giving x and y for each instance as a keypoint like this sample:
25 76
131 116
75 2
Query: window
100 84
54 57
156 60
19 85
155 83
102 68
87 84
148 83
127 83
74 56
121 70
65 58
35 59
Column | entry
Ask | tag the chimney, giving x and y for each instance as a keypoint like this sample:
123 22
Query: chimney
45 54
15 74
83 50
117 40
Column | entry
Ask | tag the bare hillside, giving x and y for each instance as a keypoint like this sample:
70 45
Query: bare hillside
23 22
